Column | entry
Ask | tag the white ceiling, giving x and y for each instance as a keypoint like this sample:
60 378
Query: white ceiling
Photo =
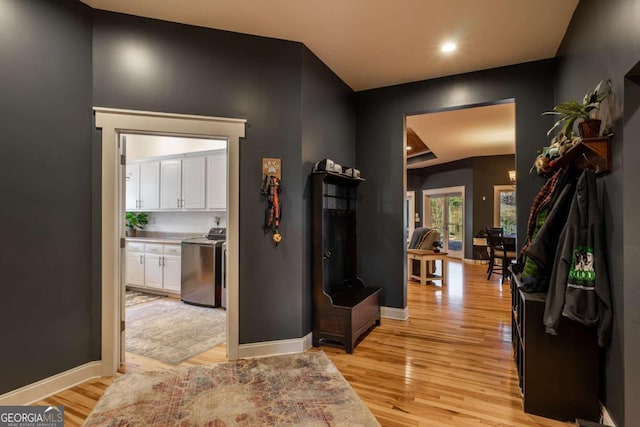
375 43
470 132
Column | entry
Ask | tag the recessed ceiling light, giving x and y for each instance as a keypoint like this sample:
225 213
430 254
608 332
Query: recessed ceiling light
408 148
448 47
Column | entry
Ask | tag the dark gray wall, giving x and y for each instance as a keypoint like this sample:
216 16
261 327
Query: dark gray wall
379 129
631 248
193 70
487 172
458 173
45 186
328 131
297 110
603 41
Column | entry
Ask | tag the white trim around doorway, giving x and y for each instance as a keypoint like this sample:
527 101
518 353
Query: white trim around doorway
116 121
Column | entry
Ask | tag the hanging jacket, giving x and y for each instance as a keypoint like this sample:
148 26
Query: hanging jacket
546 219
579 286
541 251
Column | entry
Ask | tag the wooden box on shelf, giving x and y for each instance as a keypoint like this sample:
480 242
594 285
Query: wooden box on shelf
343 308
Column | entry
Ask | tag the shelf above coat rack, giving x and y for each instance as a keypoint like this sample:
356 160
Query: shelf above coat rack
590 153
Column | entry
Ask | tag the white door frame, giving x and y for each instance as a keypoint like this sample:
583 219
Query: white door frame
445 191
411 214
116 121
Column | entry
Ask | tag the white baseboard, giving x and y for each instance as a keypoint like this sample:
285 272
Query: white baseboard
44 388
606 417
272 348
394 313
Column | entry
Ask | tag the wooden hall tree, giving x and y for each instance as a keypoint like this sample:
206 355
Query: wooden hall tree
343 308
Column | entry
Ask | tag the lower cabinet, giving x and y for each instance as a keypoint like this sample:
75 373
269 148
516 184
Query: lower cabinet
154 266
558 374
135 264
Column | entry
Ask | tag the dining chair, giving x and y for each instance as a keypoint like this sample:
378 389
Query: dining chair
500 256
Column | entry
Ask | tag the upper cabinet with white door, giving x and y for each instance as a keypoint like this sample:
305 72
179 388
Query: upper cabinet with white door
142 186
171 184
182 183
132 186
193 183
217 180
178 183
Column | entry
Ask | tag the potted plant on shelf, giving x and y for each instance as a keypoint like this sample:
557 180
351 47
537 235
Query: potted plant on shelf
135 221
587 111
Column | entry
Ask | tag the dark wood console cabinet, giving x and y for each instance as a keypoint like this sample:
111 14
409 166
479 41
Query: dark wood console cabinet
343 308
558 374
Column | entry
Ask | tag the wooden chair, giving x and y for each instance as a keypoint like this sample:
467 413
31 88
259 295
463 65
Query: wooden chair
500 256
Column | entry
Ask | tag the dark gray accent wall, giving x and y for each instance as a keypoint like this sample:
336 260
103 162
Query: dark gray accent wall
458 173
297 110
379 129
487 172
603 41
45 188
151 65
328 131
631 248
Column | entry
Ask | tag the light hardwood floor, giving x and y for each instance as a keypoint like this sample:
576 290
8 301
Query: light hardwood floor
450 364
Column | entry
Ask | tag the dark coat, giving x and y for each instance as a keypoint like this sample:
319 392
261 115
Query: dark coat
579 286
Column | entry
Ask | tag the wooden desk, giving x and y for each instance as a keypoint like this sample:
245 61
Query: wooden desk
426 273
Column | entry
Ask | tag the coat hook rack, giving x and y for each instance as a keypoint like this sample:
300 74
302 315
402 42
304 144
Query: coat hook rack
595 166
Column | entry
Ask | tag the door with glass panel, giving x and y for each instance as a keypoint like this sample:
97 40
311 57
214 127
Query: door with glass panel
444 211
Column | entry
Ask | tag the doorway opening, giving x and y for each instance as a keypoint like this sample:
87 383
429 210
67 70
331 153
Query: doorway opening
444 212
471 146
112 122
174 288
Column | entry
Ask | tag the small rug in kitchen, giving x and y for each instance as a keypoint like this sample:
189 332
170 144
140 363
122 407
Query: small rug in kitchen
299 389
136 297
172 331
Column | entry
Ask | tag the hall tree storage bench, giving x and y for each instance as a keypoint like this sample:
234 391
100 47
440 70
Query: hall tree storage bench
343 308
558 374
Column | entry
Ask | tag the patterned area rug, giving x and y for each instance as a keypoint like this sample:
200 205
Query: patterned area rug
136 297
301 389
172 331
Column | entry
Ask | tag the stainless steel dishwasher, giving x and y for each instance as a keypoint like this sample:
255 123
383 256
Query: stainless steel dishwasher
202 270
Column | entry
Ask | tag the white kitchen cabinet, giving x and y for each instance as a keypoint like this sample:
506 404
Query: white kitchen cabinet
171 184
172 267
193 183
132 186
153 265
217 181
149 185
182 183
135 264
162 267
142 186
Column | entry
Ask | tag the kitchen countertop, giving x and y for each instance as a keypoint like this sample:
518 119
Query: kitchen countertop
161 237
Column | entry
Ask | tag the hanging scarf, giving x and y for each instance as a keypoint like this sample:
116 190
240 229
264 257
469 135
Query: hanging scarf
273 208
